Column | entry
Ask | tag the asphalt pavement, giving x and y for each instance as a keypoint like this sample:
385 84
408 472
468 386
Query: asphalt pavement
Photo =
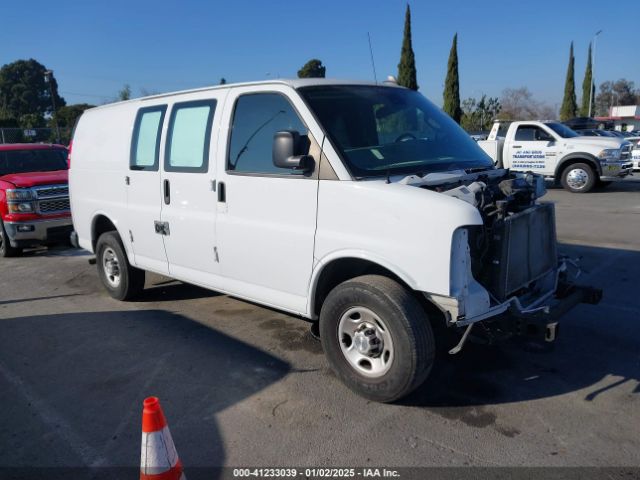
243 385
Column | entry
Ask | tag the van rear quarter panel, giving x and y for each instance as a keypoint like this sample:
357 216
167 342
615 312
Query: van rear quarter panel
99 166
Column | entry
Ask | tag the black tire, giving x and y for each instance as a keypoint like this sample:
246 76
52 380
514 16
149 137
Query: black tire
130 280
411 336
589 182
6 250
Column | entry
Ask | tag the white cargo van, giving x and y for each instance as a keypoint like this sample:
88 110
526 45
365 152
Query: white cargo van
359 206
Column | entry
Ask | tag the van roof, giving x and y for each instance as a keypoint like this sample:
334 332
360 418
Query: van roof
291 82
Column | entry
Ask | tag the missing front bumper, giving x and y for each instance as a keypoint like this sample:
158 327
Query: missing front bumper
543 324
540 324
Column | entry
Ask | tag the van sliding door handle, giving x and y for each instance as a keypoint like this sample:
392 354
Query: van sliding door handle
167 192
517 146
222 192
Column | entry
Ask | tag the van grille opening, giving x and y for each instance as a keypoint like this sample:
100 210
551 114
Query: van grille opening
521 249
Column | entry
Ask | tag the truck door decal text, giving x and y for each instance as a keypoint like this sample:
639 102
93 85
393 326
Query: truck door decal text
528 159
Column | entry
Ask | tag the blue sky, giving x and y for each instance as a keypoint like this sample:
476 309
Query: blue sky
94 47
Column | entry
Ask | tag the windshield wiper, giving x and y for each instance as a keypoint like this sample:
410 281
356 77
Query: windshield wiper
476 169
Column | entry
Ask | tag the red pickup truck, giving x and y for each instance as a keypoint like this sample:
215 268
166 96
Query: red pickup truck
34 197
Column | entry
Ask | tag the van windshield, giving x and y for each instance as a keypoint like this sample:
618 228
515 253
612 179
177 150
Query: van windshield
388 130
36 160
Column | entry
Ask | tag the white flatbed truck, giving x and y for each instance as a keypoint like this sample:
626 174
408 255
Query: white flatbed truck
555 151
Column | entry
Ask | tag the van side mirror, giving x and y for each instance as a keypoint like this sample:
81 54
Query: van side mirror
289 151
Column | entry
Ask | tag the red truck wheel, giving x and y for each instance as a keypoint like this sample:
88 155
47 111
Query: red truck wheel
6 250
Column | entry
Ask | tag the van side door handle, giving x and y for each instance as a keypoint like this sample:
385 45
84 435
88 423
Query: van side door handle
167 192
222 192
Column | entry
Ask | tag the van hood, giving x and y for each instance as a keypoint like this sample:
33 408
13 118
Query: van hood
595 142
33 179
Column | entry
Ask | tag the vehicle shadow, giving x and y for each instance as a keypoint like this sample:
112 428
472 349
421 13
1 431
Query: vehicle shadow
596 350
172 290
33 299
631 185
73 385
58 250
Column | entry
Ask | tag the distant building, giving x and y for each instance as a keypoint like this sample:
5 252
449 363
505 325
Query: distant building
625 117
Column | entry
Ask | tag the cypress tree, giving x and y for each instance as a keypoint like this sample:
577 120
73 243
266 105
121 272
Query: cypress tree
588 89
569 106
451 93
312 69
407 67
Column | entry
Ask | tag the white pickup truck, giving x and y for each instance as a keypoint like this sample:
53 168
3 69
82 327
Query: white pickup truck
555 151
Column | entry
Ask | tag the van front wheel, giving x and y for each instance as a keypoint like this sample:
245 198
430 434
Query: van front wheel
377 337
122 281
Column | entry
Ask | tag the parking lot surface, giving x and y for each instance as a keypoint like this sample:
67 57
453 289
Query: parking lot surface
243 385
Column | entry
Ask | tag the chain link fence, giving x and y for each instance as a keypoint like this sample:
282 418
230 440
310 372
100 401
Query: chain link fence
34 135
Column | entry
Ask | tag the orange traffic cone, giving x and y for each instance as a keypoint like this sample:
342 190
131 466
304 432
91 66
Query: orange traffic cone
158 457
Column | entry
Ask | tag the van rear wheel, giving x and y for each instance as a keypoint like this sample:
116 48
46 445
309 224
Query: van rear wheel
377 337
122 281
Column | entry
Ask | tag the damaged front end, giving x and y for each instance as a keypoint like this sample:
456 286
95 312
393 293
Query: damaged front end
506 275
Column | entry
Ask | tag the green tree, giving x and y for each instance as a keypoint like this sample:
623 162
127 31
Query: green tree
32 120
68 114
569 106
588 89
8 122
223 81
125 93
312 69
452 84
478 115
66 118
407 76
23 90
620 92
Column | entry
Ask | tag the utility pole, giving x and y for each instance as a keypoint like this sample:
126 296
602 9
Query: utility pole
48 74
613 103
593 69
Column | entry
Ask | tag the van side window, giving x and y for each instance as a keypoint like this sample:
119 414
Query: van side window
145 144
256 118
189 137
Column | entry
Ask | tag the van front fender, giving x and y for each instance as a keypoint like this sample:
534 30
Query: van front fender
364 259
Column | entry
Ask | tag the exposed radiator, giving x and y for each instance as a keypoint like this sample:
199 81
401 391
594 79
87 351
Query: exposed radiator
522 249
